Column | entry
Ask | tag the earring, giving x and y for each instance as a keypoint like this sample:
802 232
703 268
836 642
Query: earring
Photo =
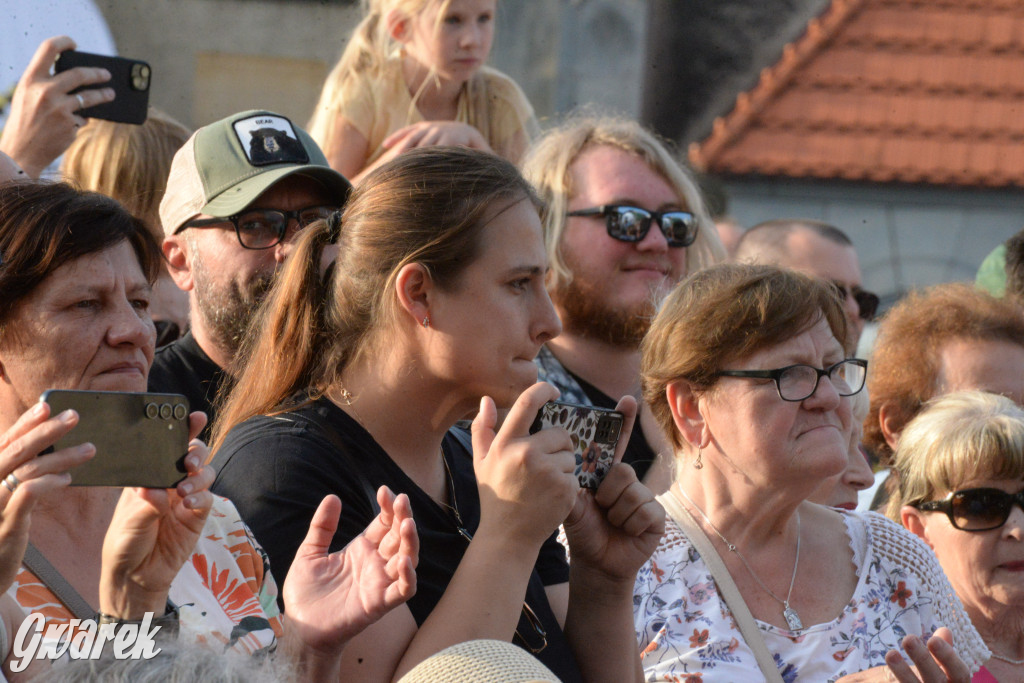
697 464
426 321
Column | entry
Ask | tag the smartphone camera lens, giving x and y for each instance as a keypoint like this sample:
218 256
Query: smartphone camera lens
166 411
180 412
152 410
140 77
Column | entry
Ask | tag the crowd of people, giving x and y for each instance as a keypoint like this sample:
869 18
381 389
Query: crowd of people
366 320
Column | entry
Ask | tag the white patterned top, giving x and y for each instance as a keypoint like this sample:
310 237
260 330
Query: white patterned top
688 635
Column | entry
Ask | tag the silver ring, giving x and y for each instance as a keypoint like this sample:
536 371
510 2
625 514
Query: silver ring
11 482
81 102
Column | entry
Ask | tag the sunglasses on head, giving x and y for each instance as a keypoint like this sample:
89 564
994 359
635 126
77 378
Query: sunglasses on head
867 302
631 223
976 509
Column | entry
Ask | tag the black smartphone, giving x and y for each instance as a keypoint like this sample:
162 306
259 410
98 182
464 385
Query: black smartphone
594 433
128 77
141 439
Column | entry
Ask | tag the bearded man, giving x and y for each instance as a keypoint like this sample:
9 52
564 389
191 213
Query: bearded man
624 222
235 200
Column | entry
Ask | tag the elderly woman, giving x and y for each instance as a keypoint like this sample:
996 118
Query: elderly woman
743 369
960 472
76 275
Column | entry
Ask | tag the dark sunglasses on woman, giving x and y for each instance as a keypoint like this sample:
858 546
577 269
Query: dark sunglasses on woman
631 223
981 509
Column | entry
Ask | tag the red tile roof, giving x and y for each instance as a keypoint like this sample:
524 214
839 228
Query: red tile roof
920 91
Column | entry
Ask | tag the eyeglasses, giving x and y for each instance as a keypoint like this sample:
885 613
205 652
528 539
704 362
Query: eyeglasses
264 228
976 509
631 224
798 382
867 302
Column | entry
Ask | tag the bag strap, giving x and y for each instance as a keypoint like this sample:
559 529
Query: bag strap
726 587
57 584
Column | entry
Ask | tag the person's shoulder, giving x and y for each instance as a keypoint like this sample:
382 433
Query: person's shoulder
501 84
891 541
277 438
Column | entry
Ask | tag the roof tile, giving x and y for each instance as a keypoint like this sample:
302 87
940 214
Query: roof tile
922 91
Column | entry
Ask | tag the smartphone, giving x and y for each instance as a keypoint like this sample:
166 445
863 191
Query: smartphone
141 439
128 77
594 433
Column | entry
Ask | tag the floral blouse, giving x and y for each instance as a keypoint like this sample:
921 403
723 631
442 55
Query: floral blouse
687 634
225 593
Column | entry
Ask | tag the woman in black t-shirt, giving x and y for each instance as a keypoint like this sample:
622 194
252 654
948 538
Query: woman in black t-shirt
433 311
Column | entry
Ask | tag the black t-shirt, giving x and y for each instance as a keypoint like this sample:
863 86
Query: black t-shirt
182 367
638 453
277 469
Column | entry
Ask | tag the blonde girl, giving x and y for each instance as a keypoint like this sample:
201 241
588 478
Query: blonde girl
413 75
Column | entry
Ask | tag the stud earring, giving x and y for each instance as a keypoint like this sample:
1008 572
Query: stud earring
697 464
426 321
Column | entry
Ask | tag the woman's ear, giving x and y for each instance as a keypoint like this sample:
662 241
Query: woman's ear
397 25
887 421
414 288
684 403
914 523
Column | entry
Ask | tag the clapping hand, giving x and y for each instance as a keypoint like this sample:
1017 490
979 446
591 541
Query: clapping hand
330 597
935 662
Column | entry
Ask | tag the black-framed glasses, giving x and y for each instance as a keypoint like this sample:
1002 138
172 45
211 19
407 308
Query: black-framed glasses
799 382
631 223
867 302
979 509
264 228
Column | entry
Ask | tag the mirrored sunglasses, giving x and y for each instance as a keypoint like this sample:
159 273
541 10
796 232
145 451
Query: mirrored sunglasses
631 223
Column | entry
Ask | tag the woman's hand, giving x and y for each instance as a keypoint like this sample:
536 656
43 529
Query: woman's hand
152 534
615 529
43 120
331 597
936 662
527 482
33 477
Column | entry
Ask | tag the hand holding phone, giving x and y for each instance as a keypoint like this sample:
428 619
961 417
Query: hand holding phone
128 77
141 439
594 433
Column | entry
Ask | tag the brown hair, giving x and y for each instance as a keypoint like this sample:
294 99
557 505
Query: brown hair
427 206
127 162
905 360
726 313
956 438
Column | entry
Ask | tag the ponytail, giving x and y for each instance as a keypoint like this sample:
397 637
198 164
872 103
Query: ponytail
281 354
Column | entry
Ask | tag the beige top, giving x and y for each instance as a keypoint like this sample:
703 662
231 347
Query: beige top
491 102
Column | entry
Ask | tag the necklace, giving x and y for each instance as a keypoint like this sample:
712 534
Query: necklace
1016 662
788 613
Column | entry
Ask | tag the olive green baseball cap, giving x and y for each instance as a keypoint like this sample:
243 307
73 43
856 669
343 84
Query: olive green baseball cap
226 165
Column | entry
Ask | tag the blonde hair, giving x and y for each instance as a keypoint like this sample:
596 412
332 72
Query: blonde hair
126 162
548 166
369 47
723 314
954 439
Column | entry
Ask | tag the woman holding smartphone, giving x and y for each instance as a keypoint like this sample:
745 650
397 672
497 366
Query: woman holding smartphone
433 312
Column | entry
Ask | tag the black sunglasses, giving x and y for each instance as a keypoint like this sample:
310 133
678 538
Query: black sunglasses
264 228
631 223
867 302
976 509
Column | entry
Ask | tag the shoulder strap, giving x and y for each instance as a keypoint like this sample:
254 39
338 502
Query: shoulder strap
726 587
57 584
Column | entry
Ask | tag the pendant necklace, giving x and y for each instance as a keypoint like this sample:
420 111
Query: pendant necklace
788 613
1015 662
